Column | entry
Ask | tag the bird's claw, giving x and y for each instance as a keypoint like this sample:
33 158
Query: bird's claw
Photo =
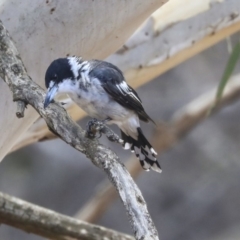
94 126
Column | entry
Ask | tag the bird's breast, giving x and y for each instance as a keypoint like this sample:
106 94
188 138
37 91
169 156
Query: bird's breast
92 100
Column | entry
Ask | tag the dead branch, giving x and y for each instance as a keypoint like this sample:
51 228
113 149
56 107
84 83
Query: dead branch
167 135
46 223
20 109
13 72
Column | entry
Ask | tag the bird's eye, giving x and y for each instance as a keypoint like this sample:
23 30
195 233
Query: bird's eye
55 77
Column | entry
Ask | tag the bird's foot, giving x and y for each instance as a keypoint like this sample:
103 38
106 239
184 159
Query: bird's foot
95 127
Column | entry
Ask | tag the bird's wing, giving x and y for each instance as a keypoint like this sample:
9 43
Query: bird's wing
113 83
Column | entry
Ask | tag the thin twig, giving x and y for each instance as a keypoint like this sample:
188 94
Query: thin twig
20 109
24 89
165 137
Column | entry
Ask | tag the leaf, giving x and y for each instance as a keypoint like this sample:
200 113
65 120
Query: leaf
232 61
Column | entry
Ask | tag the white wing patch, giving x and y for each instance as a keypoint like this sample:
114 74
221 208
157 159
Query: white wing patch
127 146
124 89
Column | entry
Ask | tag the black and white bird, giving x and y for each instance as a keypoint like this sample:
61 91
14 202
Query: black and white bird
99 88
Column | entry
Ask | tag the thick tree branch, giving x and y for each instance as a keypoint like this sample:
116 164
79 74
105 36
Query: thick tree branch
167 135
24 89
31 218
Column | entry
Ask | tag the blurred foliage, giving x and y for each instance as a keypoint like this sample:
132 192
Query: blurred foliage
231 64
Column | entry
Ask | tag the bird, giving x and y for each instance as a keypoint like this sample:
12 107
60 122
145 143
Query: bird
100 89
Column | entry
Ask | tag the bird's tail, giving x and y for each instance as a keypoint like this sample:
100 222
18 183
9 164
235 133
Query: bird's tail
143 150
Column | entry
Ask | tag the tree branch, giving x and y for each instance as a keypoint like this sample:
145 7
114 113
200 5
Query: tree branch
165 137
46 223
104 195
24 89
20 109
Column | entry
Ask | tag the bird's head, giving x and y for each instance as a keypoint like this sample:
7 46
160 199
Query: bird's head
59 77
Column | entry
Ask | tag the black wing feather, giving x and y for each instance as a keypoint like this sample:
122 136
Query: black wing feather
111 78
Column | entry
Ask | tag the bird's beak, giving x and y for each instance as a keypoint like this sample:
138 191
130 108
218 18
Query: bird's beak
51 92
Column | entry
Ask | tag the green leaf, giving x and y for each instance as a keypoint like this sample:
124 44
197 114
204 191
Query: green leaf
232 61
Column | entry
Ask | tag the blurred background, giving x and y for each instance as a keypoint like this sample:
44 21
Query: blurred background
197 196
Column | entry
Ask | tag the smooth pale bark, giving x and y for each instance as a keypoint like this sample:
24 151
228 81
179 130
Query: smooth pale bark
45 30
148 52
175 32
